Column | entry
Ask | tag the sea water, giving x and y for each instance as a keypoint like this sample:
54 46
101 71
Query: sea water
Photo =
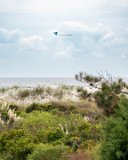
33 82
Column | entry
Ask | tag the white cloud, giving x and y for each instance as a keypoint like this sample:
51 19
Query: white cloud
97 41
97 54
9 36
86 39
39 5
33 44
50 5
123 56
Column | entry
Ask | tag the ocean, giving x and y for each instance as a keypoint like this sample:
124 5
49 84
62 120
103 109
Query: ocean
33 82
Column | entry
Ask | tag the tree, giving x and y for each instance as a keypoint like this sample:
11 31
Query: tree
99 82
115 134
107 92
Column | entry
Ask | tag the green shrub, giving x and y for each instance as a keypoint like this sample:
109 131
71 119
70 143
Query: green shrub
4 115
38 90
84 94
63 106
39 107
32 107
47 152
13 106
115 134
16 144
109 90
49 91
107 99
2 90
24 93
42 124
55 135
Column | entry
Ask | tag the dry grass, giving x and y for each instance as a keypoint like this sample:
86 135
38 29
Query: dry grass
81 155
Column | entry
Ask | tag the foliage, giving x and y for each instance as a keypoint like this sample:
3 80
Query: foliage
13 107
108 90
59 93
115 135
49 90
24 93
43 130
44 127
2 90
15 144
8 116
40 124
32 107
97 81
107 98
47 152
84 94
38 90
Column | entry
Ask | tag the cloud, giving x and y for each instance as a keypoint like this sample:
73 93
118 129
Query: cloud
50 5
32 43
86 40
9 36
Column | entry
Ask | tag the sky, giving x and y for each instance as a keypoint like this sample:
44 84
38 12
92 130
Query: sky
99 41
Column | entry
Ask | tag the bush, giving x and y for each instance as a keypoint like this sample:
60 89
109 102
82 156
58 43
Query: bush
16 144
38 90
47 152
32 107
39 107
24 93
2 90
108 92
41 125
55 135
13 106
115 134
49 91
107 99
59 93
84 94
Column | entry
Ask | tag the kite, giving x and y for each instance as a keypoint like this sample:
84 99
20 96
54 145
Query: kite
61 34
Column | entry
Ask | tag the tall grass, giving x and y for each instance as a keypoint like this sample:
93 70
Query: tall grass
23 93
